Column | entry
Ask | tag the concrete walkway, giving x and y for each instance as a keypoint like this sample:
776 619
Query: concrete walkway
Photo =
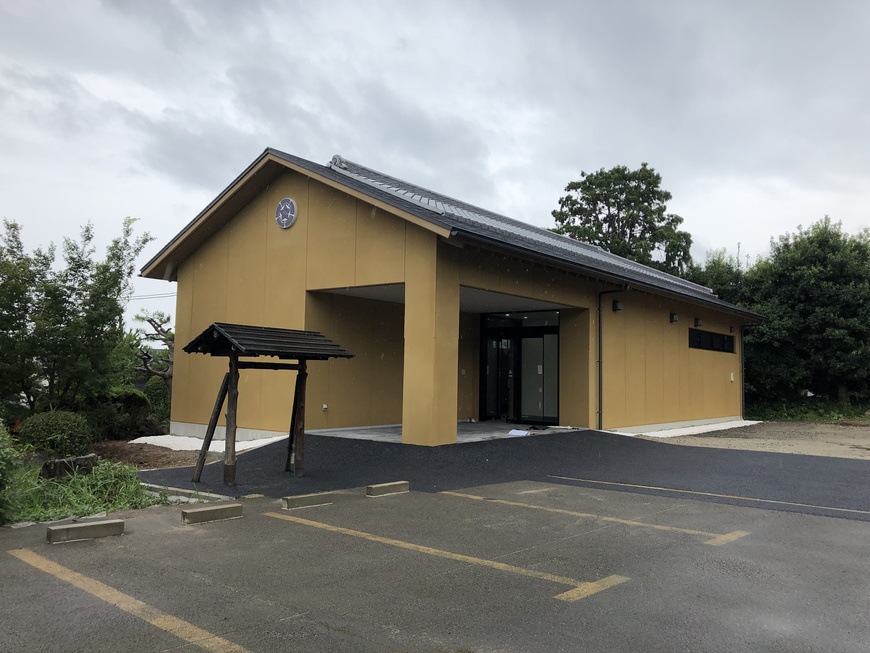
466 432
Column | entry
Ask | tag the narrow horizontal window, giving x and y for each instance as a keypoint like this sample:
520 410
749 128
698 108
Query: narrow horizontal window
711 341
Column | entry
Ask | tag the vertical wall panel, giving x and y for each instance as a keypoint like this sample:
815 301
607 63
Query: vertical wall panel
468 397
331 237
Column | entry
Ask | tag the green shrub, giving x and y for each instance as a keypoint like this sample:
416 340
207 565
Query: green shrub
133 405
109 487
104 420
158 395
10 461
61 432
119 416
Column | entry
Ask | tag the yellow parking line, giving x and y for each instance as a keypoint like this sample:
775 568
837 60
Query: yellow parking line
716 538
580 590
172 625
727 537
713 494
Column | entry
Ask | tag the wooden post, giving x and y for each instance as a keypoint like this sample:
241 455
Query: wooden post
212 425
297 427
291 441
232 405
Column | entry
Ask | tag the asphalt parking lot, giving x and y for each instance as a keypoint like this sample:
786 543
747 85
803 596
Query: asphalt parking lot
538 564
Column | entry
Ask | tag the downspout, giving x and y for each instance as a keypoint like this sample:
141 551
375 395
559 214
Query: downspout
601 355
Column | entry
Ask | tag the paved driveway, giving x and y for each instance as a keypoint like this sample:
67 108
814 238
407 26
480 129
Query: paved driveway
786 481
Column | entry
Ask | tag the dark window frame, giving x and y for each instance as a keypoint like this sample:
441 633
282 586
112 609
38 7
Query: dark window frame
711 341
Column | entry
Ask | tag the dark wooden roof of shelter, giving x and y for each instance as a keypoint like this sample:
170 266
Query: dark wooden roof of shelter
220 339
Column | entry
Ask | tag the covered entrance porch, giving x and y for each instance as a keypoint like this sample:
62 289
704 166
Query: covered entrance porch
490 357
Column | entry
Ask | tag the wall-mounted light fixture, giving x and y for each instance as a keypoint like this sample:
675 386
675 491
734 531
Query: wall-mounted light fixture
698 322
617 305
674 318
731 329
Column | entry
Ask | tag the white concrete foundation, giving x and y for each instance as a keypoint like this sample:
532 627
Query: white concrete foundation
667 426
673 431
188 430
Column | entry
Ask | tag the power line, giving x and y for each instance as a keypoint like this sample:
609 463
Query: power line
154 296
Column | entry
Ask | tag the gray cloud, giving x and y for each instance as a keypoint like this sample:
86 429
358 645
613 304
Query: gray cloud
753 112
53 102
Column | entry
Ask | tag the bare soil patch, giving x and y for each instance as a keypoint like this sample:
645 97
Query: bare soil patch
146 456
839 440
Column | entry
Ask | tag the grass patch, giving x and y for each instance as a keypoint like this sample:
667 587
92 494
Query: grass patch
108 488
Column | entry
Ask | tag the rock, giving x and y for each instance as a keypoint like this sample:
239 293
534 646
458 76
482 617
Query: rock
67 466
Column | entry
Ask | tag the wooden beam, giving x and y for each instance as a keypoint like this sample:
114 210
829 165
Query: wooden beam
212 425
232 411
250 365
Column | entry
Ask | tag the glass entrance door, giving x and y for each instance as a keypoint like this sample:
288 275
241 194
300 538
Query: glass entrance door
539 379
499 378
520 360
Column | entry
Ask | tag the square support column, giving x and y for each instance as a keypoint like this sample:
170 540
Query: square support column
430 385
578 391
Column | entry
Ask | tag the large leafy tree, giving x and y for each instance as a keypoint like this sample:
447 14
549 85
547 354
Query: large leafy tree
722 274
815 291
625 212
60 326
23 280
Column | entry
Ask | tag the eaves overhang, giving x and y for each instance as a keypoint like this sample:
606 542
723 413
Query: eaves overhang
589 271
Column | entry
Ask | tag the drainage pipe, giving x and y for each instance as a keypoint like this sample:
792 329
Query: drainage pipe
601 354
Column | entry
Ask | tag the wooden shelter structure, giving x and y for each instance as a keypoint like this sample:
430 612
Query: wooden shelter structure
237 341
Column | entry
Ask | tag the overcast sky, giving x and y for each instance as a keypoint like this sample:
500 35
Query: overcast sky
756 113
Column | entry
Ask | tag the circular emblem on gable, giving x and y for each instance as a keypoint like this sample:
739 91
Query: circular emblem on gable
285 214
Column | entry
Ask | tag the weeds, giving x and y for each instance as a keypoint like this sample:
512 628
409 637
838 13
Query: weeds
810 411
108 488
10 461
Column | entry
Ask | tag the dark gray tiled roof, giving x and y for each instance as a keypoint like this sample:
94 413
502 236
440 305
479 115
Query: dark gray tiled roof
498 231
460 219
466 219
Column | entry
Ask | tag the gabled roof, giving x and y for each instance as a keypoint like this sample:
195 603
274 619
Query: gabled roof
221 338
444 215
490 228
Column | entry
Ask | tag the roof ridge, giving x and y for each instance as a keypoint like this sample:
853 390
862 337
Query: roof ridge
342 164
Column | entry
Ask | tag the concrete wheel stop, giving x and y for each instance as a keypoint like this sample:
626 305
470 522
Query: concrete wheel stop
86 531
308 500
386 489
211 513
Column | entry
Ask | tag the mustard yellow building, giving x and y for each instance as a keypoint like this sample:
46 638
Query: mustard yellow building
453 312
